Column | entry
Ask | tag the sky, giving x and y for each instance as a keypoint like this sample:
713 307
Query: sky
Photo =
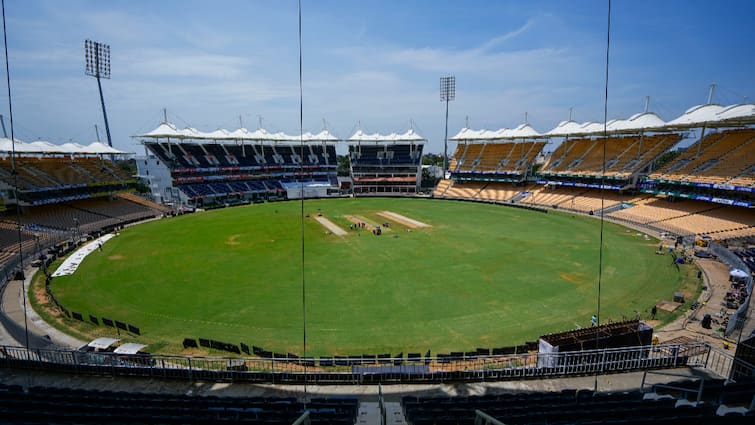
367 64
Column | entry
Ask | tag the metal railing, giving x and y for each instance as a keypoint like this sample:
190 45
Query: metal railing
482 418
737 319
400 370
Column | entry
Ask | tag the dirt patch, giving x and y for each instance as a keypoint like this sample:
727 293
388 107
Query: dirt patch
358 219
116 257
574 278
354 219
668 305
334 228
406 221
233 240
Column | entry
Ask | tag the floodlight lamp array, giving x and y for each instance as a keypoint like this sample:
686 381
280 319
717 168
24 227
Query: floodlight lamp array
97 57
447 88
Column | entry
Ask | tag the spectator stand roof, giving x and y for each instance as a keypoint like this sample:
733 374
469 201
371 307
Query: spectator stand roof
46 148
523 131
170 131
408 136
709 115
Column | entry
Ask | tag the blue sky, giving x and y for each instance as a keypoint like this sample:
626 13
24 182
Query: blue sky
372 62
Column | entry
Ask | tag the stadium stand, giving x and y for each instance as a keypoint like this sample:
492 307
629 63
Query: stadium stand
50 180
492 154
568 155
213 173
46 226
580 199
66 405
9 240
528 152
88 215
453 165
624 155
570 178
553 197
713 221
464 189
500 191
441 188
509 159
717 158
653 210
718 404
385 167
469 159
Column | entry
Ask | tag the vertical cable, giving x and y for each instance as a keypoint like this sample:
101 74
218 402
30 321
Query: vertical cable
301 177
15 179
602 182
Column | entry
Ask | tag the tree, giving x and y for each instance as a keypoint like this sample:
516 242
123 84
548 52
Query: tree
432 159
128 166
428 181
344 165
666 158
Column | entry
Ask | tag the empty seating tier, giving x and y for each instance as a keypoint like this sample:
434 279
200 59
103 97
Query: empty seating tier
495 157
63 406
624 156
724 158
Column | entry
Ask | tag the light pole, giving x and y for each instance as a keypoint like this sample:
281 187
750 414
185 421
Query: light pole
447 94
76 235
39 252
97 57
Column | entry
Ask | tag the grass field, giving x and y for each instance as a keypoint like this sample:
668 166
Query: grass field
481 276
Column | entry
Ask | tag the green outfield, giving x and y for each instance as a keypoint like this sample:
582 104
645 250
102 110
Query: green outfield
480 276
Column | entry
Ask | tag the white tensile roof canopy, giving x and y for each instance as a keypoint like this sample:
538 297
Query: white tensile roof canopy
408 136
170 131
699 116
46 148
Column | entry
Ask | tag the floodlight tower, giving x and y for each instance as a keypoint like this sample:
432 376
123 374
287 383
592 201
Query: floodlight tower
98 66
447 94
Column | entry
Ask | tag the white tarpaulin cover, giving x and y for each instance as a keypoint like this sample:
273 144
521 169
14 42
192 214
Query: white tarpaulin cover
129 348
739 273
102 343
71 263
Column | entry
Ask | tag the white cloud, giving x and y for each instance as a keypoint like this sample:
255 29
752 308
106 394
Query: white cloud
181 63
501 39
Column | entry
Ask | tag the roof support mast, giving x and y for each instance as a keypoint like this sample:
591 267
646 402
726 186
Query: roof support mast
642 134
711 91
